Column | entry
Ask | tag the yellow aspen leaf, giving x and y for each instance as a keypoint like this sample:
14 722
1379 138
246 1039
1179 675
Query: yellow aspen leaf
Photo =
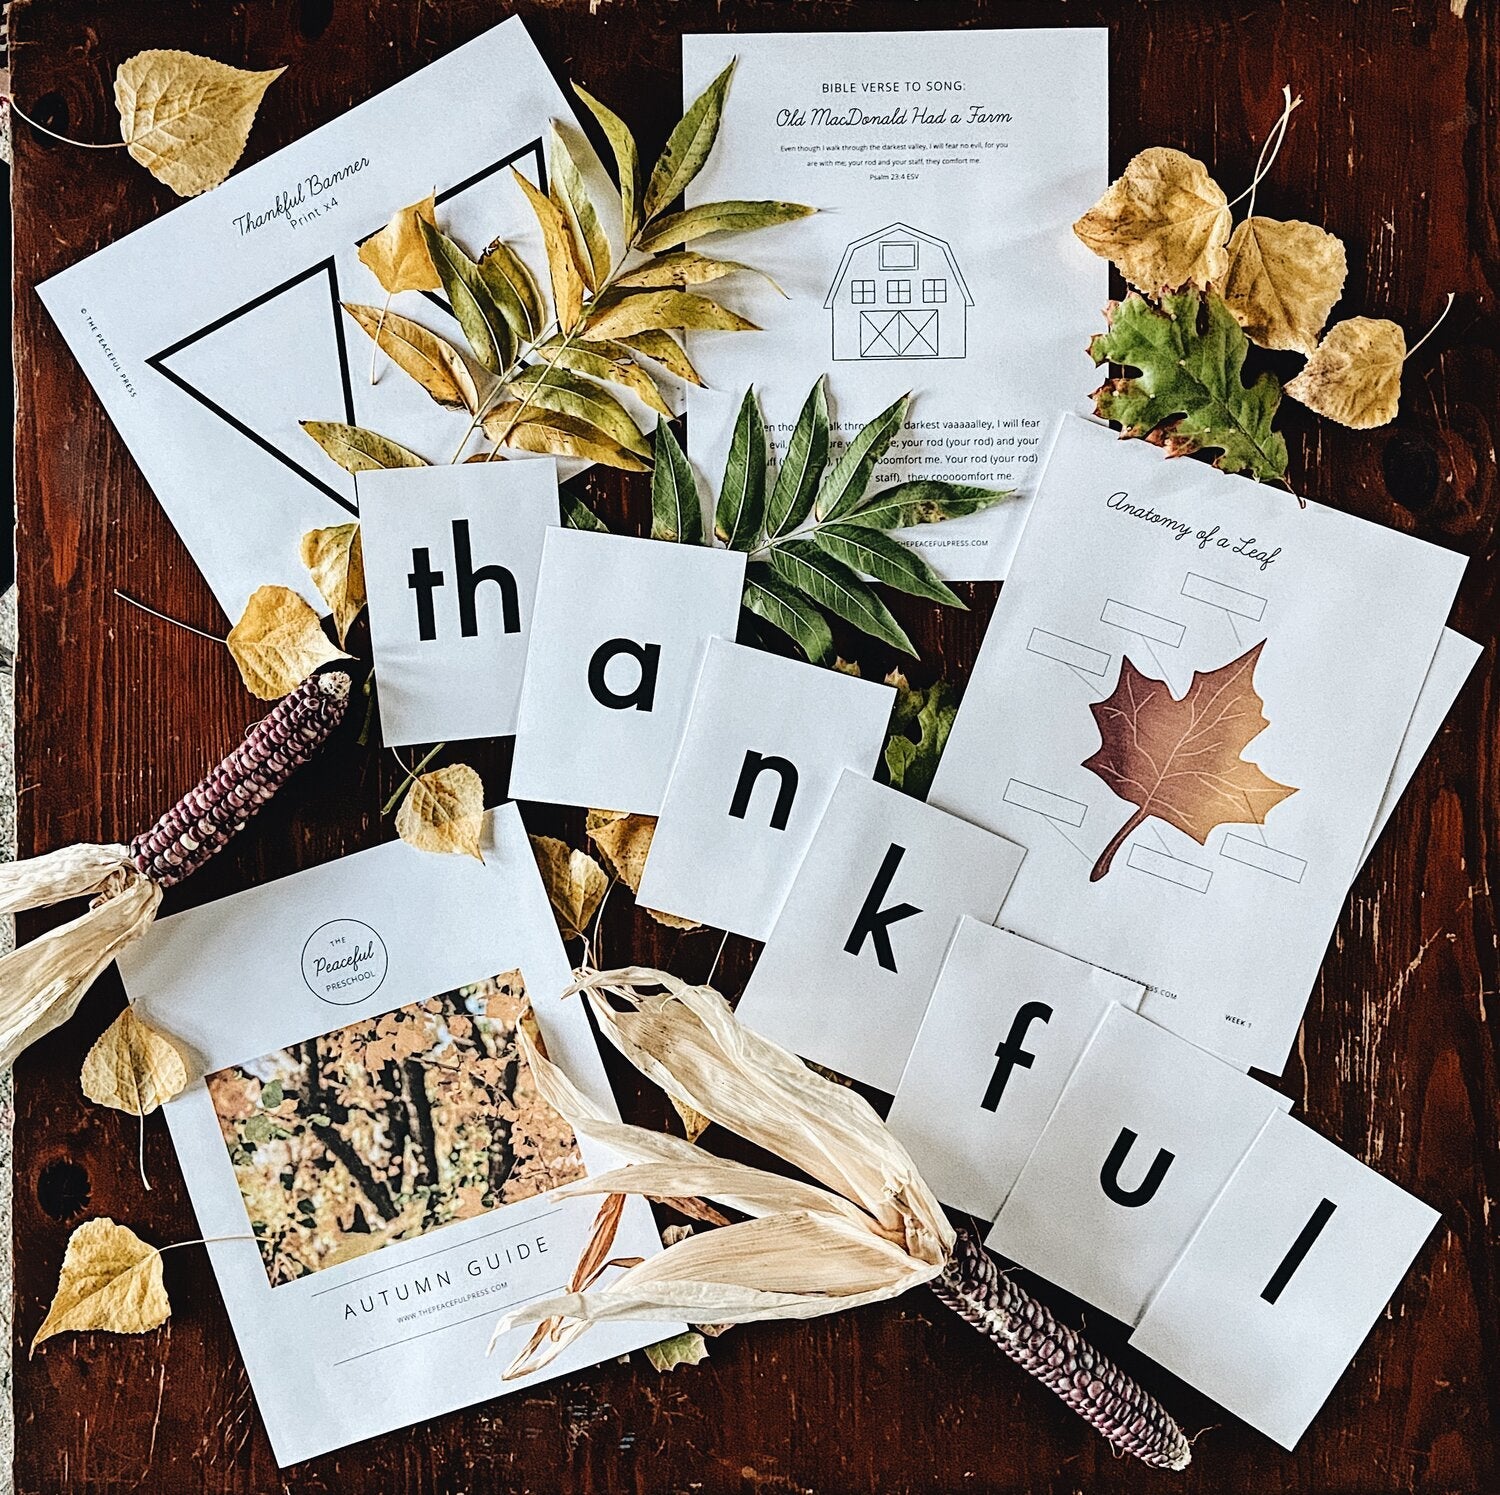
444 811
278 642
335 559
1354 377
624 841
110 1280
1283 280
575 883
397 256
1163 223
562 260
432 361
186 118
132 1067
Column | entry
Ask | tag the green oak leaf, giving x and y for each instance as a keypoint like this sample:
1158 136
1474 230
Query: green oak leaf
1187 394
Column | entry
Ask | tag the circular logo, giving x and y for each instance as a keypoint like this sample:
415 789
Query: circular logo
343 962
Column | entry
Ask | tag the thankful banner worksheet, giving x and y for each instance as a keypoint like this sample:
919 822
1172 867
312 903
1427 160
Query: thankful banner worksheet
212 332
947 168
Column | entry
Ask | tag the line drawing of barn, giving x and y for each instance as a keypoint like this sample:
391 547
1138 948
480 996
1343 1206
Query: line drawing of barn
899 293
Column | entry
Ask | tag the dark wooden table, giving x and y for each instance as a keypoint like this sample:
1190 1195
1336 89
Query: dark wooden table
1397 149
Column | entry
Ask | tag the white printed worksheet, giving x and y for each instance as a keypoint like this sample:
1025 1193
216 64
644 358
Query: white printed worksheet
210 333
1188 707
947 168
362 1139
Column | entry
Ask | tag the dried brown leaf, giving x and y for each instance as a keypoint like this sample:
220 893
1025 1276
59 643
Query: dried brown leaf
186 118
1354 377
624 841
574 881
694 1123
1163 223
432 361
397 256
444 811
132 1067
562 258
278 642
1283 280
110 1280
335 560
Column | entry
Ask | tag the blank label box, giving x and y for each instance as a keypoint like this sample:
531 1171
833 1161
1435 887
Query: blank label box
1263 858
1068 651
1045 802
1185 874
1148 625
1221 594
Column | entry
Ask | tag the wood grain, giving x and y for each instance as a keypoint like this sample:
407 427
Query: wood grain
1398 150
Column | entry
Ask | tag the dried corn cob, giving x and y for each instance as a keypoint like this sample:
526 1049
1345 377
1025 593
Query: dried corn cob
209 815
42 983
1059 1357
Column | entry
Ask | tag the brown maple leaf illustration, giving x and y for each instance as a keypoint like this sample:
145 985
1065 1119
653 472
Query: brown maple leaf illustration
1180 760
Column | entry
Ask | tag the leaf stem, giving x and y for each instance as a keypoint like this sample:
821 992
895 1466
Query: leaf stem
89 145
215 638
375 351
411 775
1115 843
1432 329
1276 135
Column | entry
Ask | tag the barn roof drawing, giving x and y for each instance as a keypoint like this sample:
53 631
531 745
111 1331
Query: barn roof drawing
889 229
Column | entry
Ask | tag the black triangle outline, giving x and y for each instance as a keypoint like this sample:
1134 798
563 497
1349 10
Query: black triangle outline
158 361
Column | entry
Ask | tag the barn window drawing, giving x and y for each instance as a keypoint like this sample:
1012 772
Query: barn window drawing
871 306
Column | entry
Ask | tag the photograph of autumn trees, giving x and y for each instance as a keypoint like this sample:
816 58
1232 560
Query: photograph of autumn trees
391 1127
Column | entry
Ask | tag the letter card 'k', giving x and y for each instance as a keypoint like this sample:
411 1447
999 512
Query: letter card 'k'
848 970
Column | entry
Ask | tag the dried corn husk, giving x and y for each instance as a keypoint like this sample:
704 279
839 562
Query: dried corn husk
871 1231
42 983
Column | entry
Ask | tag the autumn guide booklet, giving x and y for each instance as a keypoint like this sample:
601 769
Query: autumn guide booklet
947 168
212 332
362 1140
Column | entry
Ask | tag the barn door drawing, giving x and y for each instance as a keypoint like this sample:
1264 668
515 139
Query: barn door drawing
898 293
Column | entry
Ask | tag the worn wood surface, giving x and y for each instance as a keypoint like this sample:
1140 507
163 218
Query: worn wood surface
1398 150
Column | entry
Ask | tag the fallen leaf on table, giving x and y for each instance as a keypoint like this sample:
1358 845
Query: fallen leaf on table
278 642
397 256
1163 223
624 841
433 362
1283 280
132 1067
634 312
335 560
110 1280
1354 377
574 881
186 118
444 811
687 1348
529 428
911 760
1179 760
1188 395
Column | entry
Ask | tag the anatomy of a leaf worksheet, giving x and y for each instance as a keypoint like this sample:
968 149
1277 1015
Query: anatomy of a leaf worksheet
213 332
947 168
1187 708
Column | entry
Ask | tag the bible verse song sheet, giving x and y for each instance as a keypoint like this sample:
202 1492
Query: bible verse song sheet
947 169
